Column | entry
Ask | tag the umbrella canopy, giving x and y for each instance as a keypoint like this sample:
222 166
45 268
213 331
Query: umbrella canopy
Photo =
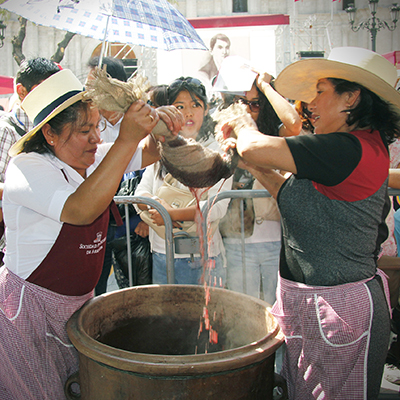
6 84
149 23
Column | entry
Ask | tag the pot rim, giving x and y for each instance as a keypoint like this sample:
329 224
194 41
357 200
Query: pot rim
167 365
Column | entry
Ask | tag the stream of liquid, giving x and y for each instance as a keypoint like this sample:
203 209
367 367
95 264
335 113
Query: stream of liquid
208 279
174 335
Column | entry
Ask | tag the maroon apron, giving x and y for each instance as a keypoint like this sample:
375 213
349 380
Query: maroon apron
36 354
73 265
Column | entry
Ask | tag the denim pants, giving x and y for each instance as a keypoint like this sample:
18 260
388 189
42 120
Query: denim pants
262 264
397 229
186 271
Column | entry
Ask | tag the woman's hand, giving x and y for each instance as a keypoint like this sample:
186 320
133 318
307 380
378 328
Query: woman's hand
138 122
172 117
142 229
158 219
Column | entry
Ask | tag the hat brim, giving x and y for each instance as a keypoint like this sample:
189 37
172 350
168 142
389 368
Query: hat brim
298 80
17 147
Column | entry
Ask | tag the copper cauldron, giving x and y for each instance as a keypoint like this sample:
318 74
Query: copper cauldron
144 343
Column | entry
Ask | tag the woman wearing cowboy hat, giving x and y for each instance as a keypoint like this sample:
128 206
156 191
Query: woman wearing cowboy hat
330 300
58 192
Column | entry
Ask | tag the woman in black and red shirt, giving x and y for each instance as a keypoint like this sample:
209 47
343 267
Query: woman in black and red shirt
330 299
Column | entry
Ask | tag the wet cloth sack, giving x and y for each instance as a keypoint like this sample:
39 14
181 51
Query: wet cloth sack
176 198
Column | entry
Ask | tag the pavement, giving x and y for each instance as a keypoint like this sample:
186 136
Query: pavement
388 389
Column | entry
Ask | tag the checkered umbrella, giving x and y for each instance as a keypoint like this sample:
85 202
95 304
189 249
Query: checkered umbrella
149 23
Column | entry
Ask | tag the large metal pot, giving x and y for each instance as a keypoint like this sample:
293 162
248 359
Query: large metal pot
151 334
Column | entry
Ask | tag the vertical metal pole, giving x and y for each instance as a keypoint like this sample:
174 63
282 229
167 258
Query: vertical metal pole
373 32
243 245
103 45
128 244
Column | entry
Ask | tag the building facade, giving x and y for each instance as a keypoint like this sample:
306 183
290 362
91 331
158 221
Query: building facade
312 27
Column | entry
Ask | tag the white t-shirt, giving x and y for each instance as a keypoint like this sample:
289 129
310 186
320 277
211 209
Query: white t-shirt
34 196
151 182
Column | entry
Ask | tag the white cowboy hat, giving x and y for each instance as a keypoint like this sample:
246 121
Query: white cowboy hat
48 99
298 80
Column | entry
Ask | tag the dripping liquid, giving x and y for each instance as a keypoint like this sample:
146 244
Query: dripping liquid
166 335
207 337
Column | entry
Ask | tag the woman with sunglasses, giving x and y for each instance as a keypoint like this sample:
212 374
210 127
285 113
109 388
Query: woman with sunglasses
188 95
274 116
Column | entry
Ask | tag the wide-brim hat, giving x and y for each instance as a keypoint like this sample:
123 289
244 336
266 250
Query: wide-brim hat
48 99
298 80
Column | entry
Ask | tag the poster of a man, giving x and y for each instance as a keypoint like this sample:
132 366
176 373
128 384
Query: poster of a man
220 47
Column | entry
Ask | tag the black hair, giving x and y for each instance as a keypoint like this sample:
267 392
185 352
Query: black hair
115 67
305 115
76 115
371 111
158 95
34 71
268 121
197 92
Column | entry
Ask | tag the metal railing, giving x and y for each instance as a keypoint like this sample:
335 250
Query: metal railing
169 237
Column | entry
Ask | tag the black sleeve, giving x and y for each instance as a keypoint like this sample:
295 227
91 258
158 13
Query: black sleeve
327 159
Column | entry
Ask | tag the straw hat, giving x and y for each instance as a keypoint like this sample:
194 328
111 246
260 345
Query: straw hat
48 99
365 67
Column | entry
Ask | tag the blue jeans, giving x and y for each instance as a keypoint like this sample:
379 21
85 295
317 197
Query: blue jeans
262 264
397 229
186 271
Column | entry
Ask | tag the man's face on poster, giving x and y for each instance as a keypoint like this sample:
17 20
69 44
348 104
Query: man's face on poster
220 50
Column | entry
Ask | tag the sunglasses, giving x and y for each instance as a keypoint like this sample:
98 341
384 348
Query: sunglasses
254 104
177 84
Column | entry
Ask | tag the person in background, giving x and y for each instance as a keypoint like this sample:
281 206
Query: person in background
30 73
111 120
158 95
110 126
389 262
331 304
16 123
57 198
306 118
188 95
274 116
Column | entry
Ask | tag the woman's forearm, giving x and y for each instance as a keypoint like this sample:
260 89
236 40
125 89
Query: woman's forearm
286 112
265 151
94 195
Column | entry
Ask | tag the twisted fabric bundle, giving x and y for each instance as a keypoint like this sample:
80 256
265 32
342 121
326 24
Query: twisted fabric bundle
185 159
236 118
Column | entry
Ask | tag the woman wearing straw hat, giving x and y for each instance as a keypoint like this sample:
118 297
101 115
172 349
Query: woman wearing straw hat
58 192
330 299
